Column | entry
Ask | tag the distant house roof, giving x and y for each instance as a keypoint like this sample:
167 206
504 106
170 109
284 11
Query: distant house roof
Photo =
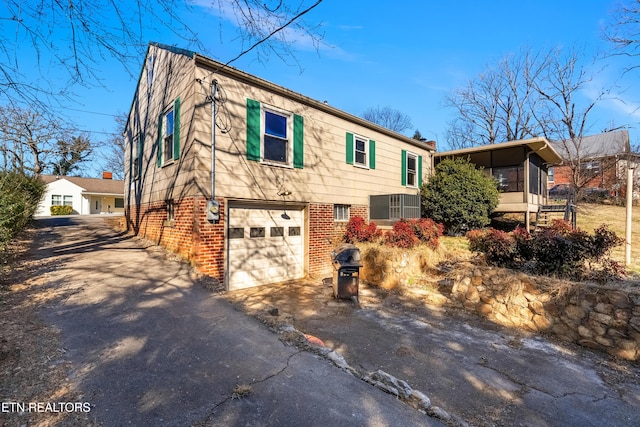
90 185
538 145
602 145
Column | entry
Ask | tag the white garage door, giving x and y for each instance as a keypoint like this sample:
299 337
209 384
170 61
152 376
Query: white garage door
264 246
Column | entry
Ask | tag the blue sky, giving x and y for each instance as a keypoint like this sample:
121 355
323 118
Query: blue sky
407 56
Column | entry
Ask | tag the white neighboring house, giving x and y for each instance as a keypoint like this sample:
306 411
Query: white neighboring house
87 196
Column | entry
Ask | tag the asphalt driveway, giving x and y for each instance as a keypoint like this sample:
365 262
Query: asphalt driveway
150 345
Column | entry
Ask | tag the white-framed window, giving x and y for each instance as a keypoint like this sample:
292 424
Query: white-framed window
360 151
60 200
276 137
412 170
551 174
171 210
136 156
167 136
341 212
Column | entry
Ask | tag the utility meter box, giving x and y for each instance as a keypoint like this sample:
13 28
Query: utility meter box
213 210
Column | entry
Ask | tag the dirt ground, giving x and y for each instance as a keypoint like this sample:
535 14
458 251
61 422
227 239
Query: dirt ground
29 348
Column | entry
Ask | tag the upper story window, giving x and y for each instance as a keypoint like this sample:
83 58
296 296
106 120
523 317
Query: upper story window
275 142
167 136
136 156
360 151
360 154
412 170
274 136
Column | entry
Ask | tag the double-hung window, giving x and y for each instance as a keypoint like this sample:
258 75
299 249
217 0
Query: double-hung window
360 153
411 169
169 134
136 156
56 200
276 137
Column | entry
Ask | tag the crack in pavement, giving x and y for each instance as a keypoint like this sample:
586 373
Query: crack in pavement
234 395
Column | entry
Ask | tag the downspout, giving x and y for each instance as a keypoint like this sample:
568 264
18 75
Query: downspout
214 89
213 207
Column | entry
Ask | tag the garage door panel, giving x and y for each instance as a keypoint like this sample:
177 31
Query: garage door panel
264 247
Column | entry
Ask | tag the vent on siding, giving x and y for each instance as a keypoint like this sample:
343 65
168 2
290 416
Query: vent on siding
394 206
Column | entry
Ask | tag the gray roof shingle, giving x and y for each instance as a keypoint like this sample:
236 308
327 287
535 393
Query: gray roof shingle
90 185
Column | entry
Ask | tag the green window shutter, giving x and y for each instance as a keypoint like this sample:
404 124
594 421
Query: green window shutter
298 141
349 148
253 130
419 171
372 154
176 129
160 119
404 167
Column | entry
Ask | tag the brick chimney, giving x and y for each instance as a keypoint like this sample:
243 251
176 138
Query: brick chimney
107 175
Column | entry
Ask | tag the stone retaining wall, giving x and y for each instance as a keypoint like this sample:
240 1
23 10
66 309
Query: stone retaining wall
606 319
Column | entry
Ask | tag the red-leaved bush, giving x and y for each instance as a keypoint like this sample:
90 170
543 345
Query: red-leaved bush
359 231
407 233
558 250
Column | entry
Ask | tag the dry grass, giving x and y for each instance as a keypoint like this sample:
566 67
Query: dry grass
591 216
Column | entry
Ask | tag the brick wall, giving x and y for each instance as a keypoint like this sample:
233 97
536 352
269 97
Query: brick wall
325 234
189 235
202 243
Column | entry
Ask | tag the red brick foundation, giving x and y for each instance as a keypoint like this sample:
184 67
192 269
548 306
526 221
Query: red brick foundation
189 235
202 243
325 234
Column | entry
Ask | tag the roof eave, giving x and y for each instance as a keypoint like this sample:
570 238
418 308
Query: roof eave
250 79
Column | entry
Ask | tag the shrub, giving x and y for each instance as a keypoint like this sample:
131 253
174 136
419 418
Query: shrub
499 247
407 233
429 231
61 210
403 235
359 231
19 198
558 250
459 196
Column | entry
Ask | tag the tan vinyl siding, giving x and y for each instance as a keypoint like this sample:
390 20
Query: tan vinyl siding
326 177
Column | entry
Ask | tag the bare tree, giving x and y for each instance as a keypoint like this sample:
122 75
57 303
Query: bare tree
77 37
388 117
497 105
561 117
113 153
70 154
623 32
28 140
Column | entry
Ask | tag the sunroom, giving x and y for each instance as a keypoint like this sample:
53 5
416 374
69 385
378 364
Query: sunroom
520 167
